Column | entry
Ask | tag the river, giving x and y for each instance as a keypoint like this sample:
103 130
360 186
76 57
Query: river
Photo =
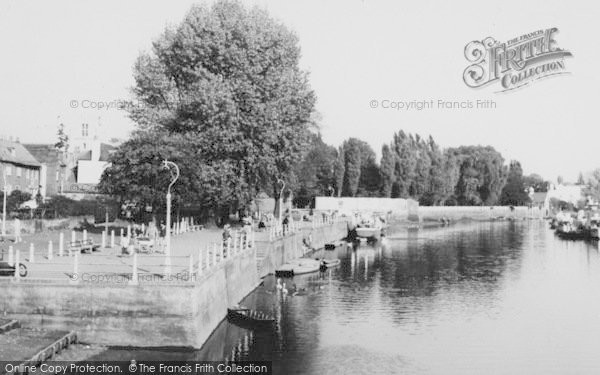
485 298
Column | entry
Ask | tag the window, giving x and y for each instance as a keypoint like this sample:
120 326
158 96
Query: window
8 170
18 171
85 130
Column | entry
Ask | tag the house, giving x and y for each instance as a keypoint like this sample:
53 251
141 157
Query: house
20 169
55 163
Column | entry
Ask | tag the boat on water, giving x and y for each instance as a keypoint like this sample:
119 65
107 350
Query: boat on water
328 263
333 245
298 267
244 316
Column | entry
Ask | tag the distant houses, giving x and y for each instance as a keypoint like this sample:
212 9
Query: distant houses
20 169
74 172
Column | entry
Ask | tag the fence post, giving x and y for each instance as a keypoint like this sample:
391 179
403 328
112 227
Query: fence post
17 260
103 239
134 275
11 258
112 238
50 250
31 253
61 244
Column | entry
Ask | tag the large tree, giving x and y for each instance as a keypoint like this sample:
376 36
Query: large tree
228 79
514 192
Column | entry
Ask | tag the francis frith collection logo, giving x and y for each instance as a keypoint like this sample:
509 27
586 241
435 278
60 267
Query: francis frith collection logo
515 63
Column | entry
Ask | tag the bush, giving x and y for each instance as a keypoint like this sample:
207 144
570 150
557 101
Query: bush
14 200
61 206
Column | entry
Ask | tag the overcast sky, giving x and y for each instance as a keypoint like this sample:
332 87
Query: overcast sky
56 52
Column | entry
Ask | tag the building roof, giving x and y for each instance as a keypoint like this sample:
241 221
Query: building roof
105 151
45 153
16 153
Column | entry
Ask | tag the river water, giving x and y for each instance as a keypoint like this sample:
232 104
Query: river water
486 298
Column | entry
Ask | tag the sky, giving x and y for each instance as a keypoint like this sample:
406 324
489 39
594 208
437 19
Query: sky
60 56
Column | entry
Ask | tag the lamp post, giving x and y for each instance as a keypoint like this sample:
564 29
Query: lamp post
174 177
280 181
4 202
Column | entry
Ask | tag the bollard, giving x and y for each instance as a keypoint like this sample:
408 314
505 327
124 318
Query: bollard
168 265
50 250
112 238
122 233
61 244
234 243
76 267
103 245
128 230
73 236
31 253
11 258
143 229
191 269
241 242
228 247
253 240
85 235
17 260
214 252
134 271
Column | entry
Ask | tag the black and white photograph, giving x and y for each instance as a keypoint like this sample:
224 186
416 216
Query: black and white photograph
291 187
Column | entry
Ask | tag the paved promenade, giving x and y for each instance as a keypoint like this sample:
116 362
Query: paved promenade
185 247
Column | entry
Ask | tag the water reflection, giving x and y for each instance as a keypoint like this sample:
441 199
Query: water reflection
474 298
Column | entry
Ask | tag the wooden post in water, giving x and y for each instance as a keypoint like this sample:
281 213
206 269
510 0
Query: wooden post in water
103 239
214 252
207 256
85 234
50 250
31 253
112 238
61 244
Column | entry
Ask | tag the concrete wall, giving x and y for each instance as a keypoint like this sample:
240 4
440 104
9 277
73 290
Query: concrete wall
144 315
435 213
351 204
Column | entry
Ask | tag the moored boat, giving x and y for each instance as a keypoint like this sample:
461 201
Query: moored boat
244 316
297 267
328 263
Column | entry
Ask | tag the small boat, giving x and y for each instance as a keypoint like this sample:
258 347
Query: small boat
243 316
368 232
328 263
297 267
333 245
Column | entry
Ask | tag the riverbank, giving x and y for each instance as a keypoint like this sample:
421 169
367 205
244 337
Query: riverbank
176 313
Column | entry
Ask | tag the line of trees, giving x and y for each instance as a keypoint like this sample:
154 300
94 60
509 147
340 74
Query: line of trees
413 167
